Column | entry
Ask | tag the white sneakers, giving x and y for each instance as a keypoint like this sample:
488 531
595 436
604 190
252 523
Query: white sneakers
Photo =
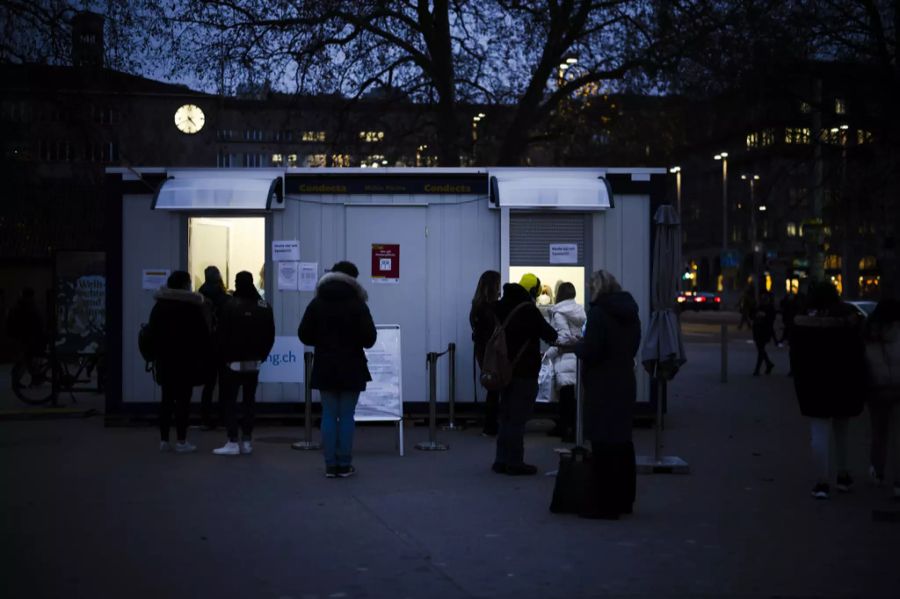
185 447
235 448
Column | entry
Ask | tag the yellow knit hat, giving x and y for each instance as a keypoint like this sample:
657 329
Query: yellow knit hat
528 281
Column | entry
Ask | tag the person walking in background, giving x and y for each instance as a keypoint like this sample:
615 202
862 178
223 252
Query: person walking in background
763 332
215 296
611 339
747 307
883 363
244 338
524 331
827 359
182 342
483 319
567 318
788 308
338 324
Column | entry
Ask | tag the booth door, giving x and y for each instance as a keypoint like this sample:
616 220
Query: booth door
396 300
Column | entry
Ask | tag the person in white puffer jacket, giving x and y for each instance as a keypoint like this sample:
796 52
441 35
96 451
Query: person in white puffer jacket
568 318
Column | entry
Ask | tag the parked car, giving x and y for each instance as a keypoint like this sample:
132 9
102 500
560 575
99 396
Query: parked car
699 300
864 307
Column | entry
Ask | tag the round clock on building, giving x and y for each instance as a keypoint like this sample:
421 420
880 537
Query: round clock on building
189 118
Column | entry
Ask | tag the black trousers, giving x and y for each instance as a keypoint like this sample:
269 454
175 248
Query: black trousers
615 475
516 405
177 399
567 409
491 409
207 413
761 355
230 383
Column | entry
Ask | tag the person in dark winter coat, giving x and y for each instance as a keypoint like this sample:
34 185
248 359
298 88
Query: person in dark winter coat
827 359
182 341
483 319
338 324
883 364
611 339
524 333
244 337
763 332
216 296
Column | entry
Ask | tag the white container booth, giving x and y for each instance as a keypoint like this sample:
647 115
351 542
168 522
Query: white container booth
420 237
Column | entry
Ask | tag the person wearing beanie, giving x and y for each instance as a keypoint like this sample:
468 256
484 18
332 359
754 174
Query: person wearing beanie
524 332
215 296
338 324
244 338
182 341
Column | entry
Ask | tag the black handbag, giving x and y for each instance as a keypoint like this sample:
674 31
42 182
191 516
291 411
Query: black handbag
575 482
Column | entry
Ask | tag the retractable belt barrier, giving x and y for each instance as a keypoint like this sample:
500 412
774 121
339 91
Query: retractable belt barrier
307 442
431 363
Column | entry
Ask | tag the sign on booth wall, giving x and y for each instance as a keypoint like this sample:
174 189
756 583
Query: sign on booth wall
153 279
286 251
563 253
285 362
385 262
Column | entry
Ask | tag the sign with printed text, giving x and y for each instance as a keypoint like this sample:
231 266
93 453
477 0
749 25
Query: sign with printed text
153 279
383 397
385 263
286 251
563 253
285 362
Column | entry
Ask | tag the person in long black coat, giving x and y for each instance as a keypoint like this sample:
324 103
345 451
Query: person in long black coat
182 342
828 361
483 319
216 296
524 332
611 340
337 322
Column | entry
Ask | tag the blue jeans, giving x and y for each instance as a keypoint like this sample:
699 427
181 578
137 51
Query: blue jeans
337 426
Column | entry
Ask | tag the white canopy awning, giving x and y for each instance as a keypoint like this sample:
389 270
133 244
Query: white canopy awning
219 193
572 190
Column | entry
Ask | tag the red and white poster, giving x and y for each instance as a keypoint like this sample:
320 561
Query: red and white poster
385 262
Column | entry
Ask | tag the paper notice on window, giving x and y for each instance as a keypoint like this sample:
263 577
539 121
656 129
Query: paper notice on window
309 276
153 279
286 251
288 274
563 253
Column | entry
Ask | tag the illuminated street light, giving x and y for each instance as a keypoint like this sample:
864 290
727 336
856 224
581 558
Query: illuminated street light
676 170
571 60
723 156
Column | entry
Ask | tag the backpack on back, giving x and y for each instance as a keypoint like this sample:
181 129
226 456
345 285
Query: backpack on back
496 368
147 347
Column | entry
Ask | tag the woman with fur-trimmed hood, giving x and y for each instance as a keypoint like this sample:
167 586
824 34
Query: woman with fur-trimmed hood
338 324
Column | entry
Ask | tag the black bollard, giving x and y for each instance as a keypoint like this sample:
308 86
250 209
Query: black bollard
451 368
307 442
432 444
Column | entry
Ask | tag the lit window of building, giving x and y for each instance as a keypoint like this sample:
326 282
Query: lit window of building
371 136
767 138
225 134
316 160
863 137
277 159
310 136
840 106
254 160
868 263
292 160
805 107
374 161
227 160
752 141
832 262
340 160
253 135
796 135
791 230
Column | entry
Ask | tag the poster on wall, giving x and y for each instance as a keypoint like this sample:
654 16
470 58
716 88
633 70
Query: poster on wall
385 262
285 362
309 276
286 251
80 290
563 253
383 397
287 275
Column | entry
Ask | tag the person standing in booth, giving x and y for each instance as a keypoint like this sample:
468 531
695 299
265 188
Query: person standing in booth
244 338
482 318
338 324
182 342
611 339
524 332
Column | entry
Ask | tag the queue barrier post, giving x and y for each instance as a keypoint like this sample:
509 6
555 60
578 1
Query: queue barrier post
451 371
432 444
307 442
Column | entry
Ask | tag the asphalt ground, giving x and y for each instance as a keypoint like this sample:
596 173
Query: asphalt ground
89 511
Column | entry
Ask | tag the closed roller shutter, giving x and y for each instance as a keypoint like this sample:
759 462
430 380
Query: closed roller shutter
530 236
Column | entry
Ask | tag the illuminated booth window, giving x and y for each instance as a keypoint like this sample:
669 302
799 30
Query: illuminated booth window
209 194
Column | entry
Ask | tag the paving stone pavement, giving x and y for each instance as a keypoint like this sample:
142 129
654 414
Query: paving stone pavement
95 512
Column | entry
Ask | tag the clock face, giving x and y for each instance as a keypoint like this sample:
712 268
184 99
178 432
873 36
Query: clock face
189 118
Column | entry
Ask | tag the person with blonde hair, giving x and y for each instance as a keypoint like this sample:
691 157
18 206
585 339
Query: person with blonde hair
611 339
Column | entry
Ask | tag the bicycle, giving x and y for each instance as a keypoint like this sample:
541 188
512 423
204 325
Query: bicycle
38 379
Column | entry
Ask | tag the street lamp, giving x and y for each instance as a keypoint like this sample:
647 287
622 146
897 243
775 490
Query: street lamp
723 156
752 179
677 171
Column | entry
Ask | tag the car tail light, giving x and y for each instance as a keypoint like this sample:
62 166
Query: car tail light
717 299
700 299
